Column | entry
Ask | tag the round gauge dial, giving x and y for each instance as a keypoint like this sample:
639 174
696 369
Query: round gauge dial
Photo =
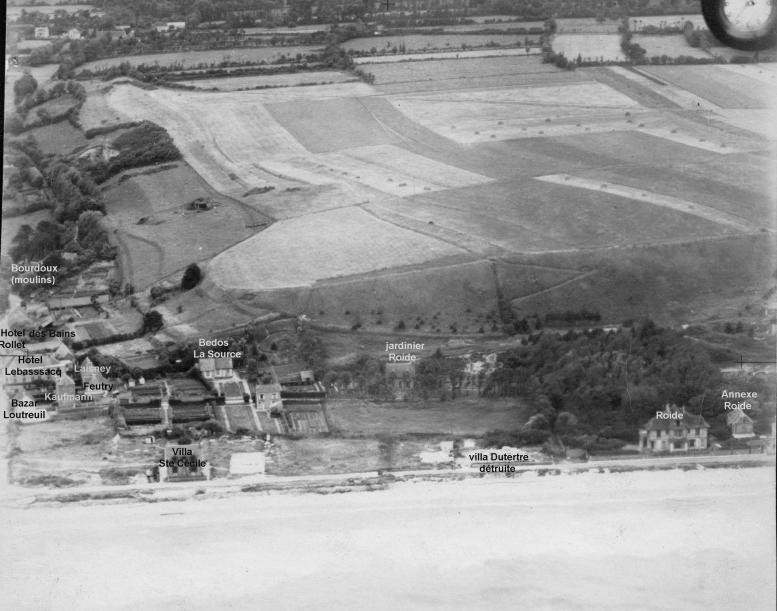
748 25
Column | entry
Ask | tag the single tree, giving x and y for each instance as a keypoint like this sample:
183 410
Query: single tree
152 321
24 86
191 277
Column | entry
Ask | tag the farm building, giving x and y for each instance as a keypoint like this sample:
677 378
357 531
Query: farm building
42 31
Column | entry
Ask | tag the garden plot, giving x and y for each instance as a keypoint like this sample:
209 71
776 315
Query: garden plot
298 252
591 47
656 199
519 112
385 168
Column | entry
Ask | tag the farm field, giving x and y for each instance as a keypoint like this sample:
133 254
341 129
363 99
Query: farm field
384 168
456 417
420 42
243 125
97 112
158 235
477 73
666 21
348 124
484 23
669 94
478 116
424 56
192 59
303 29
342 242
28 45
586 25
567 217
58 138
672 46
235 83
413 192
479 19
716 84
710 184
684 281
602 47
656 199
55 107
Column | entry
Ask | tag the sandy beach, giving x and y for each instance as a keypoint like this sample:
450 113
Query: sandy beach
700 539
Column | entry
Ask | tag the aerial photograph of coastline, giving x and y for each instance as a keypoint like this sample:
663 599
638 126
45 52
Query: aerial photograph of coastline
389 305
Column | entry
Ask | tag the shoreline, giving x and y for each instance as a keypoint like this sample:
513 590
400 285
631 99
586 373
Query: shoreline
370 481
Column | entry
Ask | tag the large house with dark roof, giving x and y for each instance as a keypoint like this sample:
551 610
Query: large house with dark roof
674 430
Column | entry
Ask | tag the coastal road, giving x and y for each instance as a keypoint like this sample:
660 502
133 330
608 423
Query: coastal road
639 540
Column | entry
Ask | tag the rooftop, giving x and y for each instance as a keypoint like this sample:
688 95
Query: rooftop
687 421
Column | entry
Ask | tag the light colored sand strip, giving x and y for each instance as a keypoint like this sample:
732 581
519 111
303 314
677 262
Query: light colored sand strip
385 168
656 199
689 140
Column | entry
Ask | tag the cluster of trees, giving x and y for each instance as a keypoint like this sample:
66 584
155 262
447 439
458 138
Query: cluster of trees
191 277
74 191
86 236
600 9
76 225
572 316
558 59
28 96
615 380
635 52
146 144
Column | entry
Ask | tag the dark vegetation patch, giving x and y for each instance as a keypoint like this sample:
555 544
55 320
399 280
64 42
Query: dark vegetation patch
146 144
